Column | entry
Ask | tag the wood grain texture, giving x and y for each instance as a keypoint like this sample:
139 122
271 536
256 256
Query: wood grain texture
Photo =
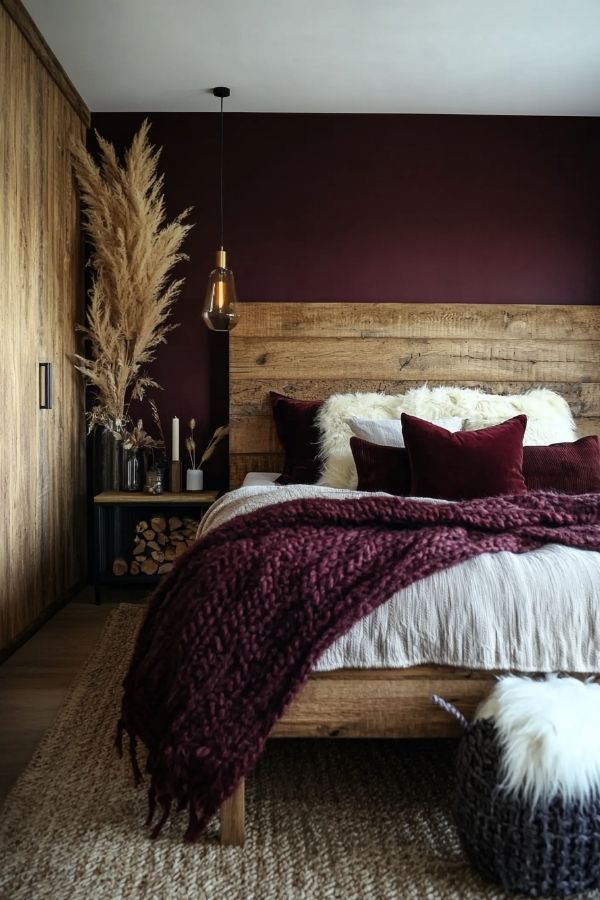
251 398
444 359
42 468
312 350
232 818
383 703
418 320
182 498
40 47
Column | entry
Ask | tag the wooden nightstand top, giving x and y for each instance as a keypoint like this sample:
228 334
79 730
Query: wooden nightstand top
138 498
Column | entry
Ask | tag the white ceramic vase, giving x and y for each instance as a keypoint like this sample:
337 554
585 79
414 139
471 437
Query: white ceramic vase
194 479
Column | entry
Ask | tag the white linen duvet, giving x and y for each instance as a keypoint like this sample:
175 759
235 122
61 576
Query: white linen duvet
536 611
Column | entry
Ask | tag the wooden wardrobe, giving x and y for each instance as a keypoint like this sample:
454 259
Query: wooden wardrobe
42 451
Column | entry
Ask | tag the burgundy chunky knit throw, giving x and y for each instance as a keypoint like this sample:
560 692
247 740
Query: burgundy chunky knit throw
233 631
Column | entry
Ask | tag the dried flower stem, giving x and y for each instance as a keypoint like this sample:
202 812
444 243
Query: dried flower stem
157 422
216 439
190 444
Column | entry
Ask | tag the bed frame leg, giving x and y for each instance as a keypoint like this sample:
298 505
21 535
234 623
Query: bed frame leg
232 815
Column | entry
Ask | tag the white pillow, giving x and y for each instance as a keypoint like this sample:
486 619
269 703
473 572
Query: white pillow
389 431
549 419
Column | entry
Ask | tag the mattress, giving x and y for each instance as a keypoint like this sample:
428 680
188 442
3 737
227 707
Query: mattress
536 611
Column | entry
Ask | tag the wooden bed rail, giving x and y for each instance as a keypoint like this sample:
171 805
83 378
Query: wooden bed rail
369 703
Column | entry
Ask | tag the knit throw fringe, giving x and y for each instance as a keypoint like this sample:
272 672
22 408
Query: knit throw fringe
232 633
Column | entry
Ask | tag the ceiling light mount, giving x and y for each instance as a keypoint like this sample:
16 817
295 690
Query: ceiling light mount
221 92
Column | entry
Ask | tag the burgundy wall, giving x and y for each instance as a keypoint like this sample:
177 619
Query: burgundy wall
365 208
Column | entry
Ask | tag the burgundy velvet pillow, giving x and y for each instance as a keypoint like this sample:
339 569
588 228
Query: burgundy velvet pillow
573 468
465 464
297 431
381 468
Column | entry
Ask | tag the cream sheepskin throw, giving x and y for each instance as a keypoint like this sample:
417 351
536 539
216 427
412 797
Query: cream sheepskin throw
549 733
549 419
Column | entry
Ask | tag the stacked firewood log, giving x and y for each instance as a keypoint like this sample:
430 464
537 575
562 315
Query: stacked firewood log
157 544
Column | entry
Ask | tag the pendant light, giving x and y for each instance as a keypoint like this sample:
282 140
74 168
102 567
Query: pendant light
220 311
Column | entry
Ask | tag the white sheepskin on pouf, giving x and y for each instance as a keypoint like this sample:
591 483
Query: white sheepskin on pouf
549 733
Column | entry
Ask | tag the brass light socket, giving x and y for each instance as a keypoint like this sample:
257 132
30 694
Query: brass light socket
221 259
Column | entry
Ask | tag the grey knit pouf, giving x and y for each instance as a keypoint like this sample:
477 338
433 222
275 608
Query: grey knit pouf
553 848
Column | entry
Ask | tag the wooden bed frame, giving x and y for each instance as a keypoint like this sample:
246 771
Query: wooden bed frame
311 350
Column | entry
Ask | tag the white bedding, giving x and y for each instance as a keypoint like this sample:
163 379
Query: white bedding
254 479
537 611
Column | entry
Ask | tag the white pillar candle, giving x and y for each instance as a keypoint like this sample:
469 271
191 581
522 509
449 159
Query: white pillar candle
175 440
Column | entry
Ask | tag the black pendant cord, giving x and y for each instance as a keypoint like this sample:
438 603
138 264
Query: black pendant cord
222 244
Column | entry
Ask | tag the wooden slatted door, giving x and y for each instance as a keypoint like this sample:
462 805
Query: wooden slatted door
42 471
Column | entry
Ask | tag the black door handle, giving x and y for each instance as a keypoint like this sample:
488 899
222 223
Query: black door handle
45 385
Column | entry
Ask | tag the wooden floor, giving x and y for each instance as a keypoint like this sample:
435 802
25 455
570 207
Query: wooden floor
34 680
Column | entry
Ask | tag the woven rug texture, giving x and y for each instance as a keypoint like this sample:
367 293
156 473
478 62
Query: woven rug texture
325 819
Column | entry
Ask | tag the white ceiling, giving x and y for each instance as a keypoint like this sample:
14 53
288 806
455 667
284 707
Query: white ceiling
524 57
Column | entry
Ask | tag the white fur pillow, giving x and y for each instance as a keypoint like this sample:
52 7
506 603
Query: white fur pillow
549 419
389 431
332 421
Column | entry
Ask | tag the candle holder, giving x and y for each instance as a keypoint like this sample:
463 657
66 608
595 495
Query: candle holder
175 480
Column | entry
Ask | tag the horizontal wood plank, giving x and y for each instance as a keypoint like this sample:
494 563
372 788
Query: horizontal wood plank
251 397
387 703
384 703
439 358
134 498
419 320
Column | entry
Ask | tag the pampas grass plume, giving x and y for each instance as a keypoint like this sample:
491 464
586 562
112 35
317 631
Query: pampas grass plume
134 250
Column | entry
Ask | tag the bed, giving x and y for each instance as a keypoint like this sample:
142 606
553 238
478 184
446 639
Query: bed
312 350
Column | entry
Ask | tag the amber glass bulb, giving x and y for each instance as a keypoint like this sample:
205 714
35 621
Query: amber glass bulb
220 311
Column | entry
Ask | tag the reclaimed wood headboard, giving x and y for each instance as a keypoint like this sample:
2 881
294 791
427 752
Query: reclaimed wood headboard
312 350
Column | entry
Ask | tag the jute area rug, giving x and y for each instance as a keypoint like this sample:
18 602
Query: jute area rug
325 819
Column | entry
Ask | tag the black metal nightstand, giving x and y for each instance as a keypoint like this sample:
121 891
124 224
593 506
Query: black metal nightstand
115 515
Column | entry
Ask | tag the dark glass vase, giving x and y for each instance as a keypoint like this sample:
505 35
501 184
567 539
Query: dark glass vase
107 461
132 470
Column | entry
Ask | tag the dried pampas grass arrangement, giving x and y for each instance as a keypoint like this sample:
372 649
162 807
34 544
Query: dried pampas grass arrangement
134 250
